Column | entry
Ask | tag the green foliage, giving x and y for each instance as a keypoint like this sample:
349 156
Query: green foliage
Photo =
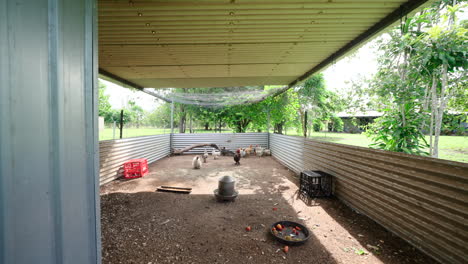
452 124
277 112
336 124
316 103
132 113
398 132
160 117
104 106
421 70
114 115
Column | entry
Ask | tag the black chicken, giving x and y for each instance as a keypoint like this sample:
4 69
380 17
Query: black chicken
237 157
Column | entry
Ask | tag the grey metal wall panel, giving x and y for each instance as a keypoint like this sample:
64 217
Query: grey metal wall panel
423 200
288 150
113 153
48 200
231 141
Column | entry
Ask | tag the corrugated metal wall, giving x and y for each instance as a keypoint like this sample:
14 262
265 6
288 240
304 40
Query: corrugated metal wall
49 202
423 200
113 153
288 151
231 141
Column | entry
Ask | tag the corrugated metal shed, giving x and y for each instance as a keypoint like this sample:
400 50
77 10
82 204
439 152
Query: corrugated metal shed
212 43
423 200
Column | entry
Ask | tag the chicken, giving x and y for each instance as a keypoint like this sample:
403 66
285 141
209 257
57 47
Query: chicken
267 152
237 157
215 154
259 152
255 150
249 150
205 156
196 162
224 151
242 153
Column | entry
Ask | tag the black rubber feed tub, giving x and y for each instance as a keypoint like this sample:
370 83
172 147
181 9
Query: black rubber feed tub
286 235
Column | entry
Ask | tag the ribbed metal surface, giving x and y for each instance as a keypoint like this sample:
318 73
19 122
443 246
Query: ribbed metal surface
288 151
423 200
113 153
49 195
231 141
230 43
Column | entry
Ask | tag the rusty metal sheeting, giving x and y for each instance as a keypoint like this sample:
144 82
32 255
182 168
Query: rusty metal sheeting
113 153
423 200
231 141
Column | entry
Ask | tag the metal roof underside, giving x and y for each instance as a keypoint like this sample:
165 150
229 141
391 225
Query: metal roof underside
208 43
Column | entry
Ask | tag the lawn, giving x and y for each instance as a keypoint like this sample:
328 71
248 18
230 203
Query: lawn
450 147
107 133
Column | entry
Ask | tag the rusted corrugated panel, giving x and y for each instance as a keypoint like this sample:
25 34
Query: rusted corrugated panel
231 141
423 200
113 153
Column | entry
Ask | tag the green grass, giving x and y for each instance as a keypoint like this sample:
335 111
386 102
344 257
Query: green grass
107 133
450 147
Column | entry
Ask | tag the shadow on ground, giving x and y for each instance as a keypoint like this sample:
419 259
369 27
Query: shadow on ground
175 228
140 225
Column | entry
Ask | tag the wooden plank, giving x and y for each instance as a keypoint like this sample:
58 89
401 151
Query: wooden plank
172 187
173 190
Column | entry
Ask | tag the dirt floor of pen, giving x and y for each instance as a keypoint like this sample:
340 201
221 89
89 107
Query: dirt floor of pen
140 225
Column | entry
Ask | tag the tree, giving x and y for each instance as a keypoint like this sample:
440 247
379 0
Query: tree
420 71
159 117
135 112
114 115
281 109
104 106
442 53
317 104
240 117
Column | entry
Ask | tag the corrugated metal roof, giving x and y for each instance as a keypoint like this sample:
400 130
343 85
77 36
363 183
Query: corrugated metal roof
207 43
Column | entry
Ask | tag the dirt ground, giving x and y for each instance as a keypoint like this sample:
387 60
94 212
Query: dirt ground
140 225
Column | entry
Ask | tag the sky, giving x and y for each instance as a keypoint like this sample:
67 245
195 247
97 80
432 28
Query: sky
337 77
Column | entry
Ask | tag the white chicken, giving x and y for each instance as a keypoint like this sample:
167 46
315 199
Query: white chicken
242 153
267 152
196 162
259 151
205 156
215 154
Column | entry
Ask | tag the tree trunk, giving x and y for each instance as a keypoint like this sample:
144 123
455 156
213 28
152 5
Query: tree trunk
182 119
190 124
440 111
207 126
304 124
279 128
431 94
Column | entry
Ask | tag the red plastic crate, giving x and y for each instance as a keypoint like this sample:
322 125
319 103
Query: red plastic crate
135 168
